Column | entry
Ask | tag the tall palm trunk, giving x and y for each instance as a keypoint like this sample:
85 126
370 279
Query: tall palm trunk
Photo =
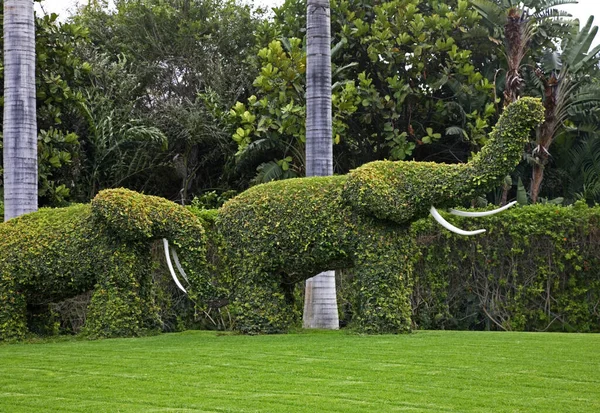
320 304
546 133
516 48
20 127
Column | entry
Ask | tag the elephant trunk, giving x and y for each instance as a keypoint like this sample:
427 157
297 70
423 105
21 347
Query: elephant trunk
504 149
405 191
134 217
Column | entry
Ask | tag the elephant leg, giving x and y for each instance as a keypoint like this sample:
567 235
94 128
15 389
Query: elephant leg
382 283
120 304
265 306
13 308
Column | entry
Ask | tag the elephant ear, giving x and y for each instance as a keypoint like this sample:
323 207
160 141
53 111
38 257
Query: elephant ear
124 212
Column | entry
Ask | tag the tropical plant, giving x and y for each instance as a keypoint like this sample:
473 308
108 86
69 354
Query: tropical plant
177 67
519 26
566 86
403 78
529 31
118 152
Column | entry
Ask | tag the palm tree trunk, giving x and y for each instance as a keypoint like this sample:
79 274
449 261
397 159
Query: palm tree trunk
20 126
320 304
516 49
546 133
537 177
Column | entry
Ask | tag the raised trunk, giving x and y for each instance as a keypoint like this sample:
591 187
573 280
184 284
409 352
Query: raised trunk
505 147
320 304
20 127
405 191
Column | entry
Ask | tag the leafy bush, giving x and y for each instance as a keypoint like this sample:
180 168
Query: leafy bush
279 234
55 254
536 269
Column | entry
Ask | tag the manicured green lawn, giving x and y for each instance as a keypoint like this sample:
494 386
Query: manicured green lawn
433 371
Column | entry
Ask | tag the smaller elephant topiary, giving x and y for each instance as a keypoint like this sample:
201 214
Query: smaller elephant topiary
54 254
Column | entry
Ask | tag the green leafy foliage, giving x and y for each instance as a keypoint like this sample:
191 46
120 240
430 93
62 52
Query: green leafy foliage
54 254
536 269
171 67
402 72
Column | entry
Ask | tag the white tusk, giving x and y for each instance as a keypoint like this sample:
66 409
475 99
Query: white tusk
170 265
178 265
436 215
481 214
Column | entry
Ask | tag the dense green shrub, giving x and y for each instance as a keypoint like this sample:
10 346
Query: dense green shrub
282 233
536 268
54 254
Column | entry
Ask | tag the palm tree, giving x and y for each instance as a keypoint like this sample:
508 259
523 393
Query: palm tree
561 76
517 22
20 126
320 304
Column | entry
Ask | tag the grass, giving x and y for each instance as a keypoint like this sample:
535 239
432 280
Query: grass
437 371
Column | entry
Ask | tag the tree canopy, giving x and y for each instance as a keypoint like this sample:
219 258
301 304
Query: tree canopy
191 98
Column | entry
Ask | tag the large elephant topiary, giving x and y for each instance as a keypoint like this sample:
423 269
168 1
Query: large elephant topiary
284 232
54 254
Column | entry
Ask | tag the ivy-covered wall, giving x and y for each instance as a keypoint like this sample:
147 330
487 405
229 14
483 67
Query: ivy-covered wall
537 268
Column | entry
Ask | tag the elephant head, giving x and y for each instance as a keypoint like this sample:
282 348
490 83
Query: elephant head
406 191
133 217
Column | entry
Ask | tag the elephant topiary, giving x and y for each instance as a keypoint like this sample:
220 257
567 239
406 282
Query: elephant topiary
54 254
280 233
261 243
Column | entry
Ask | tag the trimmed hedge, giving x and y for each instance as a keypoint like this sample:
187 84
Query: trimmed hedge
537 268
54 254
263 243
